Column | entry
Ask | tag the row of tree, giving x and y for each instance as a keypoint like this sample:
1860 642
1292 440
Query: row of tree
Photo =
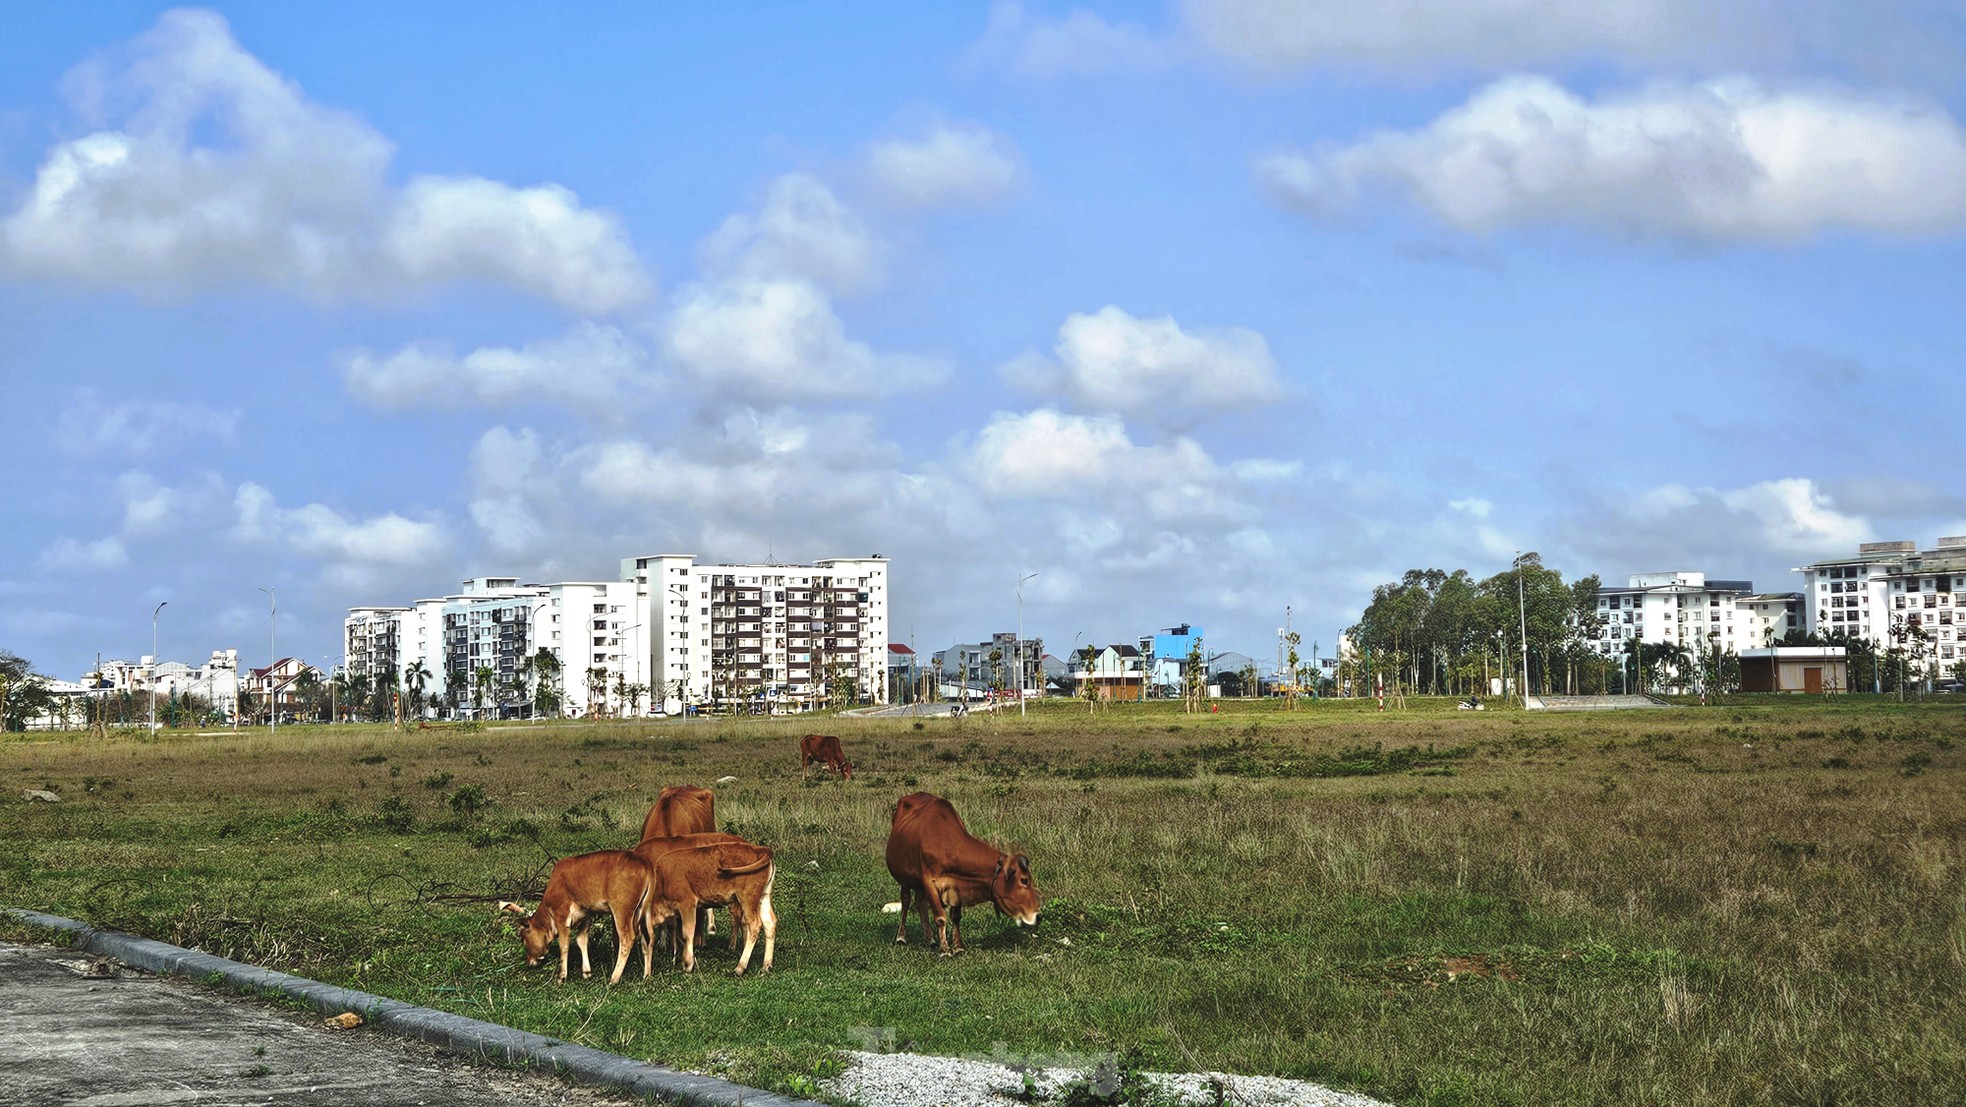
1436 632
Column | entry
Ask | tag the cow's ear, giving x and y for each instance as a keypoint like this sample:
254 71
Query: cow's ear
507 907
1023 864
999 871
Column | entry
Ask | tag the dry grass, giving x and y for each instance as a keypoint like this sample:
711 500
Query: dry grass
1754 903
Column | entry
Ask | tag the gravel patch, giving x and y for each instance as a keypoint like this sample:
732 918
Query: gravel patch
916 1080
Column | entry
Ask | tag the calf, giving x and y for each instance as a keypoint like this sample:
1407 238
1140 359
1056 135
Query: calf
614 880
943 869
692 876
825 749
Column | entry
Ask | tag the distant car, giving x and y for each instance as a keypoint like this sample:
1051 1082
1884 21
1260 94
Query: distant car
1956 687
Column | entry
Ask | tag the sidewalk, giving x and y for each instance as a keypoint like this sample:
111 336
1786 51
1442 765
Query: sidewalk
79 1029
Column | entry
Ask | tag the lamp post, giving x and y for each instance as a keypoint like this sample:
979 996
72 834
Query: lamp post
153 665
1020 641
1522 612
272 693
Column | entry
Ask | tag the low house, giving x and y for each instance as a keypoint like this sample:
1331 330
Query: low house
1811 669
1116 673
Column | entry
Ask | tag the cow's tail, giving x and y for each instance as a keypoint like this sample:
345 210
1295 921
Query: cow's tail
762 862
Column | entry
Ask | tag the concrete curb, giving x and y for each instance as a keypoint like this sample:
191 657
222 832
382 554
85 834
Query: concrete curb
472 1037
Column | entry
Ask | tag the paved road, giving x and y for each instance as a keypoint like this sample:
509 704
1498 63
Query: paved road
77 1029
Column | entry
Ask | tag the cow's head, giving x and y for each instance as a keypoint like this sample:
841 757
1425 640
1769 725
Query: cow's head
846 770
1013 890
535 932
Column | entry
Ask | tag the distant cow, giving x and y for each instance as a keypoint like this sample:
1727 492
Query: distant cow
824 749
943 868
735 873
685 809
614 880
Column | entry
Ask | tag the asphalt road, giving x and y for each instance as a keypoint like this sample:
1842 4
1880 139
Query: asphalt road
85 1031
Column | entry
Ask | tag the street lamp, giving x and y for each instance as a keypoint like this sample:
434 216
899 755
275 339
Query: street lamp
630 638
1522 611
153 666
1020 642
272 695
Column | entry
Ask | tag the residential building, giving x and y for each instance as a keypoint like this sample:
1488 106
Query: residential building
1166 657
275 688
984 667
1683 609
1895 597
1117 672
216 681
770 636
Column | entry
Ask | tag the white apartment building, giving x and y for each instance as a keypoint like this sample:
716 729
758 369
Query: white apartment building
1890 588
217 680
777 637
1686 610
670 633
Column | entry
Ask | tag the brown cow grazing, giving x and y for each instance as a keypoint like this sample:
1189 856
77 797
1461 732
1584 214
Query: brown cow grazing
681 809
734 873
685 809
824 749
939 865
652 848
614 880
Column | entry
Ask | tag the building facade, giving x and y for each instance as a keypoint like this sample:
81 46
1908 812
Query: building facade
1894 596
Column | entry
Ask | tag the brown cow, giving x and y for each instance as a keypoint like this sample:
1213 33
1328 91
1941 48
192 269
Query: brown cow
615 880
937 863
735 873
825 749
686 809
652 848
681 809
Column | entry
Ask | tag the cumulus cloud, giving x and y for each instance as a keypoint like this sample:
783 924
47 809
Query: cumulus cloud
355 551
511 481
91 425
1725 160
1151 369
1079 43
800 230
779 341
953 165
593 366
68 555
1281 36
217 171
1680 526
1047 454
152 507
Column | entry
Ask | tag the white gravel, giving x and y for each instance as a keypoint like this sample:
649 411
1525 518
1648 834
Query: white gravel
915 1080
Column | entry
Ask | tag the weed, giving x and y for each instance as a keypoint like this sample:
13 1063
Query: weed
437 781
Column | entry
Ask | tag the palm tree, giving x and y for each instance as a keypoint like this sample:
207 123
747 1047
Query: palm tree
416 676
483 681
597 691
307 690
545 667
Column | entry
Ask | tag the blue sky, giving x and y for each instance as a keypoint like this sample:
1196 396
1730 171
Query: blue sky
1196 311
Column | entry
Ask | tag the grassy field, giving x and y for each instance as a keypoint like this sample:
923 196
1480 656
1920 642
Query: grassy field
1751 903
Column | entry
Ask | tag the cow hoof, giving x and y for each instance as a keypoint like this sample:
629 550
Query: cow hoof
901 941
944 953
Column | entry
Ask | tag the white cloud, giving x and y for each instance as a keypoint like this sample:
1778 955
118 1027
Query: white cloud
1722 160
1091 462
779 341
151 507
593 366
953 165
90 425
354 550
510 481
224 174
1080 43
1282 36
801 230
1152 369
67 555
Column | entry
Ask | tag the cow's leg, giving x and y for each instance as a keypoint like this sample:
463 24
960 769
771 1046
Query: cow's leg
625 929
686 918
901 932
566 947
752 921
941 919
956 927
645 926
769 919
580 939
